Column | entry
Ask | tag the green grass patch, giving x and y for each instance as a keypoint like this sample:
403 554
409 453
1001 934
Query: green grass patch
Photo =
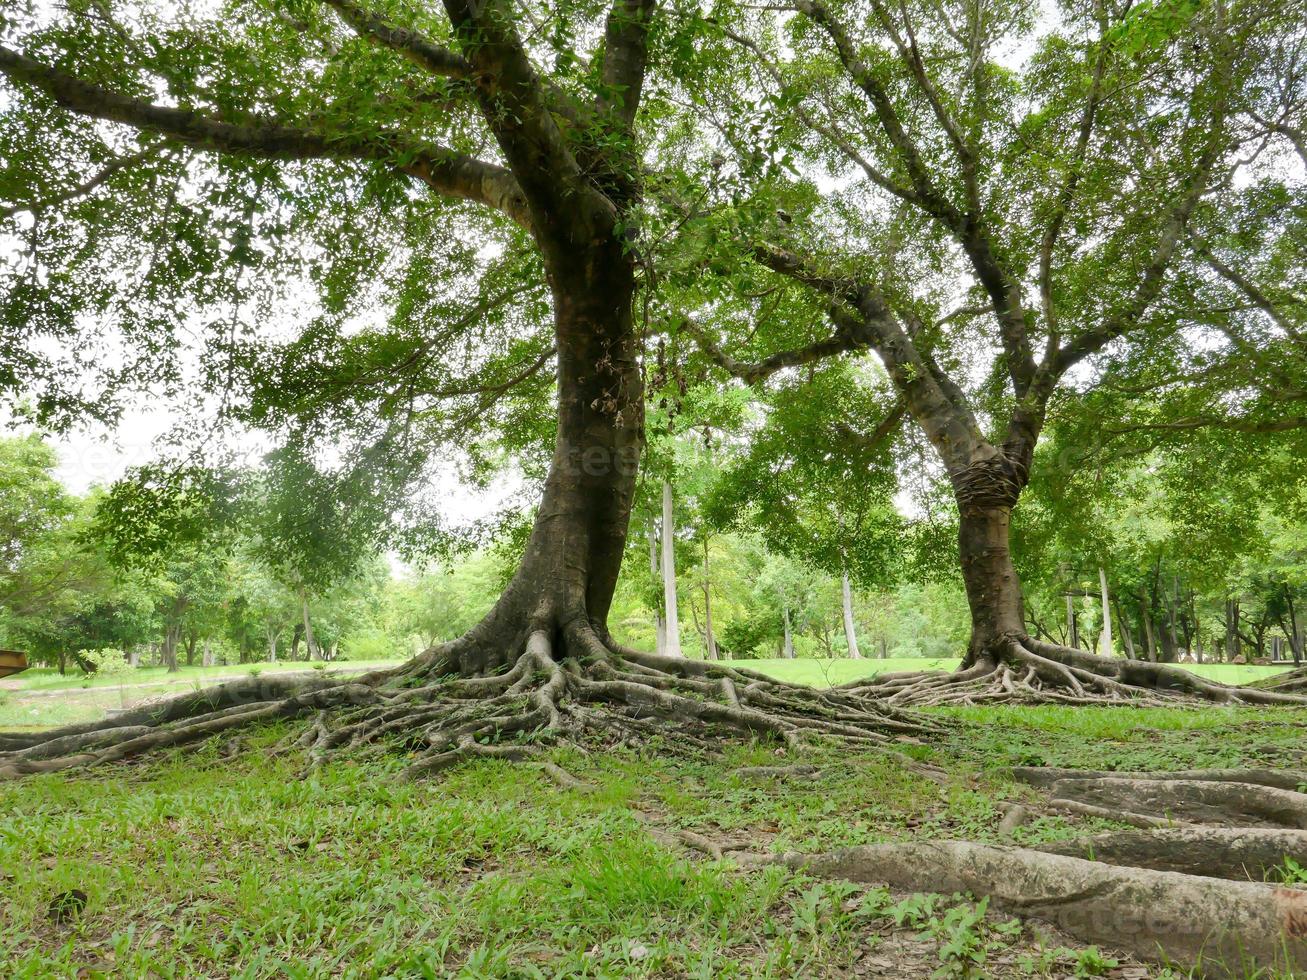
47 679
826 673
196 867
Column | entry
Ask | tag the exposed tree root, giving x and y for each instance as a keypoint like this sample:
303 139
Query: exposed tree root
1155 799
1290 779
1290 682
1018 669
1230 928
598 692
1237 853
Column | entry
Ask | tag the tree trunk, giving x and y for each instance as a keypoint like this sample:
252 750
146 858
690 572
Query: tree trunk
850 636
1127 630
660 628
1106 646
669 574
192 641
1072 632
993 589
295 639
710 642
272 645
1150 638
565 581
310 641
206 658
1295 635
168 652
787 651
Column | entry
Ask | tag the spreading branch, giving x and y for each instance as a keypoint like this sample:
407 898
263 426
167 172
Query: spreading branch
449 173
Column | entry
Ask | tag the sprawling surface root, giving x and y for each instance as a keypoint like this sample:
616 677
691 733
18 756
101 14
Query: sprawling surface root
1237 853
1020 669
1232 928
599 692
1223 797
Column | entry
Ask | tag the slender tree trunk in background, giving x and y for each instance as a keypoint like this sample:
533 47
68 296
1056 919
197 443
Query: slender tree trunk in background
850 636
669 574
1106 647
1295 634
1072 630
787 651
311 651
1232 648
660 627
206 658
884 647
272 646
134 657
191 642
63 662
295 639
1172 624
1198 647
168 652
1150 638
1127 630
710 642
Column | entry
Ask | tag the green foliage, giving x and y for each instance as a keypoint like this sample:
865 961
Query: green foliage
106 662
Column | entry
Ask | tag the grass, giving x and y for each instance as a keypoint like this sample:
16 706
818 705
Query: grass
48 679
197 867
829 672
806 671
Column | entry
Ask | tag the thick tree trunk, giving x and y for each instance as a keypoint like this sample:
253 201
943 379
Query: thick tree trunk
565 581
993 589
850 634
669 574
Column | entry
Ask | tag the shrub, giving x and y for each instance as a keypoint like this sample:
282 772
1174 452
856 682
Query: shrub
104 662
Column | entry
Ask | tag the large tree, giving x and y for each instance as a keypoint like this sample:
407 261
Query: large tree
1014 205
218 162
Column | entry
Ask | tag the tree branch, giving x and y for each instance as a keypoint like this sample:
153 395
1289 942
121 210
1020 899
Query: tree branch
755 372
1003 289
448 173
85 187
626 53
411 44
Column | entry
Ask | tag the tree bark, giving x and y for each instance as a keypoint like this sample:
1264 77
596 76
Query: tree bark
310 641
787 651
850 635
710 642
993 588
272 645
660 627
1127 630
1106 647
669 574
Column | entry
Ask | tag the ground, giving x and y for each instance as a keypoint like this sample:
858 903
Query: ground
195 865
